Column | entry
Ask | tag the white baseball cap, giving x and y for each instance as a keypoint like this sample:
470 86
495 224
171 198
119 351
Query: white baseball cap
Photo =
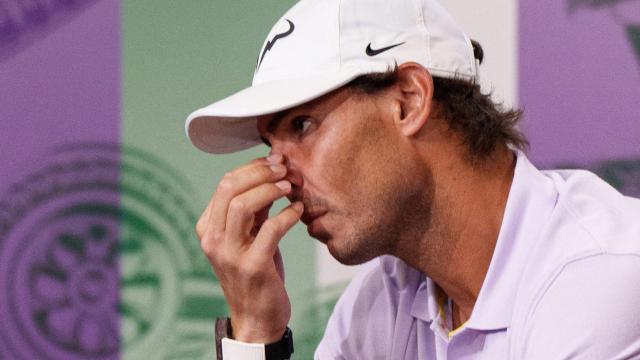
321 45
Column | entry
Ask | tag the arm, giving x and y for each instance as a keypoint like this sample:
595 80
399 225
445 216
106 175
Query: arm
241 243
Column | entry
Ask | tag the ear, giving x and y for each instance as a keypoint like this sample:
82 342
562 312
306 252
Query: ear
416 100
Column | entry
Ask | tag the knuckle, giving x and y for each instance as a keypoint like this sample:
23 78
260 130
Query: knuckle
215 237
215 253
237 205
275 190
211 238
208 249
226 183
201 228
271 227
260 172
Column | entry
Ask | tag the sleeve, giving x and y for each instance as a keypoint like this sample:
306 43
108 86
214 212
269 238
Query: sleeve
237 350
347 333
590 310
230 349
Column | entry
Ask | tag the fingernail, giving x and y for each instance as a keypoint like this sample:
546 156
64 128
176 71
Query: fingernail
284 185
274 158
298 206
278 169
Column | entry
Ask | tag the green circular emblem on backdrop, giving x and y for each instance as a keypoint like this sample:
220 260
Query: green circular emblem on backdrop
98 260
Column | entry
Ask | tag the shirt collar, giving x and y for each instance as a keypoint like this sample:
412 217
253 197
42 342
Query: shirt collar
425 304
531 200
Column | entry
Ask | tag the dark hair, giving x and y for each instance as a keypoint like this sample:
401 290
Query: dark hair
482 123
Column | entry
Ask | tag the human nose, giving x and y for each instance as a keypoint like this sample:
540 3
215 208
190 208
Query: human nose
294 173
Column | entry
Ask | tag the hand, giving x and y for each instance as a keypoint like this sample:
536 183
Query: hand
241 243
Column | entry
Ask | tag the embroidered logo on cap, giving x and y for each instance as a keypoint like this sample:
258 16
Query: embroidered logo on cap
372 52
272 42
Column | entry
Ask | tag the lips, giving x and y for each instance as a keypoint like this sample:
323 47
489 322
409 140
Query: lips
308 217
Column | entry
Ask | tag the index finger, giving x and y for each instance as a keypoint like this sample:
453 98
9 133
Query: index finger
239 181
206 219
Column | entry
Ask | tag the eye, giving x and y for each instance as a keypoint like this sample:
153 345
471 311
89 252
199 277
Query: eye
300 124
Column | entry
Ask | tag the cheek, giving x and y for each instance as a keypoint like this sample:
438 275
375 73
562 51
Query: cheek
350 165
333 160
327 167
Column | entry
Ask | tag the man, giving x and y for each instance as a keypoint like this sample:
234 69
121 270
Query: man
388 151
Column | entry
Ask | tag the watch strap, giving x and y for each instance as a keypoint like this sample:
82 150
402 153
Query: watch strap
281 349
223 330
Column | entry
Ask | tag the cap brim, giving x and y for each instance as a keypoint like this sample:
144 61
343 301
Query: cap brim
229 125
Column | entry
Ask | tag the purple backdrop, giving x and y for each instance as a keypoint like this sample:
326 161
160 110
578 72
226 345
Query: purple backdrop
59 217
580 79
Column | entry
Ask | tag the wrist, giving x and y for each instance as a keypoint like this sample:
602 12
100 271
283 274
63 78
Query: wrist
254 334
234 348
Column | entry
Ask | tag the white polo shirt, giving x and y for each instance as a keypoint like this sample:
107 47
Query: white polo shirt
563 283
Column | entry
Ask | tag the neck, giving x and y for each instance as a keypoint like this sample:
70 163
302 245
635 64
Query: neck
467 212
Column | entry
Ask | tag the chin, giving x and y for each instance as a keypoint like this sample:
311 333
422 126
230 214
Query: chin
346 254
342 245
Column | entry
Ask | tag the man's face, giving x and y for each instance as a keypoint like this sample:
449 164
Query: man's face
353 170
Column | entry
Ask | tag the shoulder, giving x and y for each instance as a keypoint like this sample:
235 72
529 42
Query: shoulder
580 284
588 204
366 309
589 218
591 299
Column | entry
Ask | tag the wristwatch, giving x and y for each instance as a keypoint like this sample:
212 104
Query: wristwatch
279 350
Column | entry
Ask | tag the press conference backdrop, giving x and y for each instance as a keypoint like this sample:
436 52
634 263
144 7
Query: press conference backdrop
100 190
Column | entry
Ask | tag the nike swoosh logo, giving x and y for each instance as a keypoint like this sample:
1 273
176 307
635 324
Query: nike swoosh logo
372 52
272 42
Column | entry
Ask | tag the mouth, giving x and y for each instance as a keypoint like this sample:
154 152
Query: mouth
309 217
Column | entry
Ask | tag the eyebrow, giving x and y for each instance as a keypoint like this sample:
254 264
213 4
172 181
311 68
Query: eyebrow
273 125
276 120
